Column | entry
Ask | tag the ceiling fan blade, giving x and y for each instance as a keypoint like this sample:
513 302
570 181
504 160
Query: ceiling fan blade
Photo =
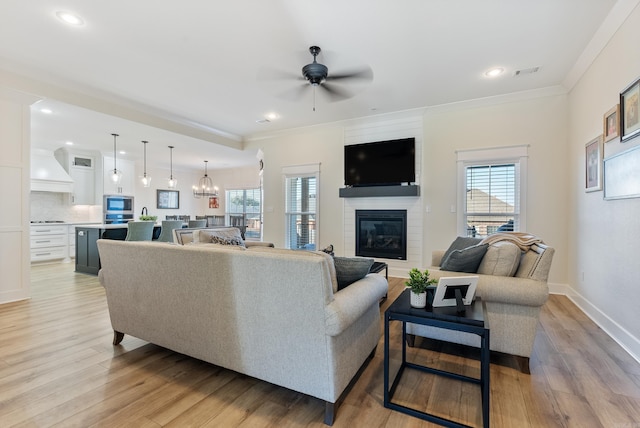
362 73
334 93
271 74
294 94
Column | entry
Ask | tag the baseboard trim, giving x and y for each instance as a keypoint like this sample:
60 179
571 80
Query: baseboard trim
619 334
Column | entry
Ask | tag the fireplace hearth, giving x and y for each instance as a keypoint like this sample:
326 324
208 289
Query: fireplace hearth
381 234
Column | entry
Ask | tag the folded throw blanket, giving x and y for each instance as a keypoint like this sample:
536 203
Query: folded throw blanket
523 240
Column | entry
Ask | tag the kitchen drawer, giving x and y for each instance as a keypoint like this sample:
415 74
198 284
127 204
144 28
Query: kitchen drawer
49 241
41 254
59 229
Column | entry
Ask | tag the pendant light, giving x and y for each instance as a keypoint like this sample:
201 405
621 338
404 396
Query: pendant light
146 180
116 175
173 183
205 186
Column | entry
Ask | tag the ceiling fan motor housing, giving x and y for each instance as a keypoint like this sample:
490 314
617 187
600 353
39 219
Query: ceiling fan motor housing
315 73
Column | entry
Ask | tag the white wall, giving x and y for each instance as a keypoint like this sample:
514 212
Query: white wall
603 235
14 194
236 178
539 122
311 145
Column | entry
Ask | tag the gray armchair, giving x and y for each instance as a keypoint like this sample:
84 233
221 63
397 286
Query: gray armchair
513 303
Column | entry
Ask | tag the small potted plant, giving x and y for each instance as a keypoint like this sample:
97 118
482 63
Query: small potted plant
419 282
148 217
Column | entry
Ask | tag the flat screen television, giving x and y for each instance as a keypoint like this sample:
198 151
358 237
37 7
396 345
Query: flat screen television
381 163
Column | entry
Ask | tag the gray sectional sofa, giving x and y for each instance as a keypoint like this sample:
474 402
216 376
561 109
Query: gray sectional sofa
269 313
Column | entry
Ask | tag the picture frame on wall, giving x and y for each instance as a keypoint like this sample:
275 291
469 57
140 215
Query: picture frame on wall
213 202
168 199
611 124
593 165
629 111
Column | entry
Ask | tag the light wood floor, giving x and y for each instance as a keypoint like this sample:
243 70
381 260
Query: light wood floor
58 368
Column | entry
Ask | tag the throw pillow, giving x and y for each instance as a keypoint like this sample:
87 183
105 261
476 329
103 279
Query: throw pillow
351 269
204 235
502 259
460 243
227 240
466 260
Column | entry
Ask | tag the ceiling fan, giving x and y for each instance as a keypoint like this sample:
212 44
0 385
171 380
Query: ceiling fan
318 77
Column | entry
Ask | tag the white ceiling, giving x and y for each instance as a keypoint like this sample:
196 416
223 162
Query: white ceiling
216 67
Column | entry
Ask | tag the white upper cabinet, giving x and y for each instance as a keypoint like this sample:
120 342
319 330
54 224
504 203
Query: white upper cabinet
82 168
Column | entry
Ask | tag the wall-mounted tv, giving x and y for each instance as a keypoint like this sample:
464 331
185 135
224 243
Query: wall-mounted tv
381 163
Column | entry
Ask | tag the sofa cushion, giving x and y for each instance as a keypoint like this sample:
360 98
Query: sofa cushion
284 251
460 243
466 260
351 269
502 259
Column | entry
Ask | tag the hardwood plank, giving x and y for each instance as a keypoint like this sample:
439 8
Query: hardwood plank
58 368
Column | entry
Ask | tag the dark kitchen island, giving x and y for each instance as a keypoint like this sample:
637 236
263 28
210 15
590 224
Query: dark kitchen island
87 257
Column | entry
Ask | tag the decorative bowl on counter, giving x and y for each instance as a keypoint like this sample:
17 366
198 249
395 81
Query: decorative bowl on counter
148 217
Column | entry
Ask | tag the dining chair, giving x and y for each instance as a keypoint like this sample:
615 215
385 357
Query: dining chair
197 223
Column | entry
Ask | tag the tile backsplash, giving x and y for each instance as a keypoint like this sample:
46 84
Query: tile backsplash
56 206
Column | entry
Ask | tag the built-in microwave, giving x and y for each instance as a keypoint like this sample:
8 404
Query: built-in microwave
117 208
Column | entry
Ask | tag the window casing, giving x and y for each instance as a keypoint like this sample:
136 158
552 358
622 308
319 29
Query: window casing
491 191
301 207
244 209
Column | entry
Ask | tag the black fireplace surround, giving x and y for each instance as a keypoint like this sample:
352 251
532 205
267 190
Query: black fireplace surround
381 234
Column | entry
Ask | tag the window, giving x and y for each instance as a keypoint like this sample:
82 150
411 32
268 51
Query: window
301 207
491 191
243 209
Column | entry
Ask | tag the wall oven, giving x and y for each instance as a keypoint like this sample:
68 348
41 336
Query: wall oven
117 209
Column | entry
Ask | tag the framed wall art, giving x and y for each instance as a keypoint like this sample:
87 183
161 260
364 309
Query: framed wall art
168 199
213 202
611 124
622 175
593 165
629 106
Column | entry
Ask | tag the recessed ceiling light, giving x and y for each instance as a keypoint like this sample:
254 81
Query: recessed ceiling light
69 143
46 110
272 116
494 72
70 18
122 152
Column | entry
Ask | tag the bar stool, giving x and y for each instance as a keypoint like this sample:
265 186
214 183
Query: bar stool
139 231
166 233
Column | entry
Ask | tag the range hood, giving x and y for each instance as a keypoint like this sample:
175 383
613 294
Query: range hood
47 175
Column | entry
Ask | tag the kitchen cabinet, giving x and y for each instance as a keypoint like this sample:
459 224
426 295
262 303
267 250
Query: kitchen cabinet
81 166
87 258
49 242
71 235
127 182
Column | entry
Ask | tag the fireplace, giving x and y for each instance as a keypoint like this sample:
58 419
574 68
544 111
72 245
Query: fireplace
381 234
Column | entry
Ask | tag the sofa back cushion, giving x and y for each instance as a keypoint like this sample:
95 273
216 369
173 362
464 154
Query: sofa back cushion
284 251
502 259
